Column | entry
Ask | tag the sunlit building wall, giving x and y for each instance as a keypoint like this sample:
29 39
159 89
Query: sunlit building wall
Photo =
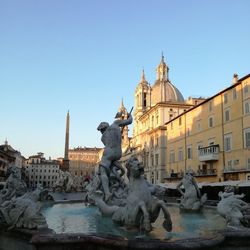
83 161
212 138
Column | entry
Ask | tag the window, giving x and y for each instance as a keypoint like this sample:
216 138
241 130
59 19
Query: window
189 152
247 138
152 121
156 159
172 156
199 145
152 160
210 122
152 142
180 155
245 88
180 121
248 163
157 141
210 107
234 94
225 98
228 142
247 108
227 115
144 100
157 120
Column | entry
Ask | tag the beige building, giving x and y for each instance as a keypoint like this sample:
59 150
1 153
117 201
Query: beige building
40 171
83 161
9 157
212 138
154 106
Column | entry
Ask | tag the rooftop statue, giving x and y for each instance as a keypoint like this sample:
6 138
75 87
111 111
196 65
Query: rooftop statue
232 208
191 199
141 207
14 185
23 212
112 140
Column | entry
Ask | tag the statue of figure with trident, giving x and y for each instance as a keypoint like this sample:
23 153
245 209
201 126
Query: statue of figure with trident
112 140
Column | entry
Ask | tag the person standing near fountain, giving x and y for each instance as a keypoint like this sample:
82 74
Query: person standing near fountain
112 140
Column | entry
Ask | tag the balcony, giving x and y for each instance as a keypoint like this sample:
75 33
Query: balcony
210 153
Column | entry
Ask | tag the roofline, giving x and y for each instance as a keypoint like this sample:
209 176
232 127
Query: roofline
244 77
170 104
210 98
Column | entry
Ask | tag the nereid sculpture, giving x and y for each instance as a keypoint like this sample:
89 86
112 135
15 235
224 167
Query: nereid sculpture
232 208
14 185
191 199
23 211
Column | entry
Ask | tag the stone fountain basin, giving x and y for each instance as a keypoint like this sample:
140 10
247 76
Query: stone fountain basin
64 237
78 218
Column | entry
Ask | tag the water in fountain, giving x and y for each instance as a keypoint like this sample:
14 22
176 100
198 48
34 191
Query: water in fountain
80 218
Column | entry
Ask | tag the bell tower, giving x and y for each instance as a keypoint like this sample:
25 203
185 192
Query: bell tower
162 70
142 95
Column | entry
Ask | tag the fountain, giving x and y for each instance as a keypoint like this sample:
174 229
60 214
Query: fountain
119 214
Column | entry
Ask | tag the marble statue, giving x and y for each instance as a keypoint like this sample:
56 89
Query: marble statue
112 138
14 185
141 207
23 212
191 199
78 183
232 208
64 183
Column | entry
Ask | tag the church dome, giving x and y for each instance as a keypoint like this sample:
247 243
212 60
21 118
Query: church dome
163 90
166 91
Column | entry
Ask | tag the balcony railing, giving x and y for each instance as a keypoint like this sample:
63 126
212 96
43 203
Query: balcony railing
207 172
210 153
175 176
235 170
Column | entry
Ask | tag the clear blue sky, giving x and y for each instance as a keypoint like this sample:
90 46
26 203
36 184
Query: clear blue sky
85 55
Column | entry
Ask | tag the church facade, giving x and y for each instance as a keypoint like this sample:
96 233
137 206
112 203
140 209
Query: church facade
154 106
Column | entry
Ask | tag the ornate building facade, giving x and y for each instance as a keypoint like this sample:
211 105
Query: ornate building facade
212 138
154 106
83 161
40 171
